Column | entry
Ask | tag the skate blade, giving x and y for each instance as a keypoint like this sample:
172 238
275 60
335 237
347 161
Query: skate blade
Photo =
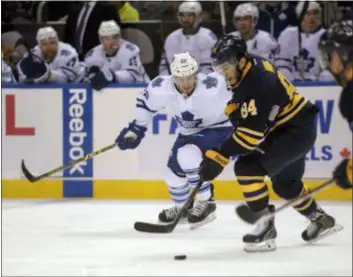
207 220
335 229
265 246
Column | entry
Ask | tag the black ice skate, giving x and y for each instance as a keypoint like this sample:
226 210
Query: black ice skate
262 238
321 226
203 212
168 215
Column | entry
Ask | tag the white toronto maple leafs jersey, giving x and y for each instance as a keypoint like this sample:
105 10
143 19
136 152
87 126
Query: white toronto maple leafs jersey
263 45
126 63
65 67
199 45
204 108
289 62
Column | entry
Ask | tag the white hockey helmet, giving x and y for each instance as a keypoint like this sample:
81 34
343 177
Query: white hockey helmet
46 33
191 7
312 6
246 9
183 65
108 28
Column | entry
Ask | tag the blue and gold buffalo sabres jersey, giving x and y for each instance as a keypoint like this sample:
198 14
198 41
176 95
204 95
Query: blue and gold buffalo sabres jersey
263 101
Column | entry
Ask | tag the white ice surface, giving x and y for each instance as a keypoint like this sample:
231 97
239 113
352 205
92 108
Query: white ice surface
91 238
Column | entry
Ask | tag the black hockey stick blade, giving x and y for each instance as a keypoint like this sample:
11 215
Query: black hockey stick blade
153 228
168 228
244 212
30 177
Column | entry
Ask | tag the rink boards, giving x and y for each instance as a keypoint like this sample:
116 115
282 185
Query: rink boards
50 125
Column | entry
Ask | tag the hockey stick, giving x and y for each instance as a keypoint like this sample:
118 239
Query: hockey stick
168 228
223 17
30 177
301 59
248 216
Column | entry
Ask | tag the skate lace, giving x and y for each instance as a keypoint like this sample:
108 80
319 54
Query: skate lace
313 226
260 227
200 208
311 229
171 213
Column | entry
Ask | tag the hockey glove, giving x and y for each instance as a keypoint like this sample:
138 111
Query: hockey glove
33 69
212 165
130 137
99 78
343 174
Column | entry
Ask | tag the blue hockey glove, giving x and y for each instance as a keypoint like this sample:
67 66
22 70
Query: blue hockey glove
99 78
130 137
33 69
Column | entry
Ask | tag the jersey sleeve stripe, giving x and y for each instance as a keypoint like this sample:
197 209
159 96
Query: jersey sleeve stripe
243 144
251 132
142 104
282 59
64 68
230 108
247 138
133 71
297 100
292 114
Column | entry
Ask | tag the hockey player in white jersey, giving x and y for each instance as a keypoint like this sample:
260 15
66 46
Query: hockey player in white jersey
197 103
304 67
61 57
259 42
115 59
191 37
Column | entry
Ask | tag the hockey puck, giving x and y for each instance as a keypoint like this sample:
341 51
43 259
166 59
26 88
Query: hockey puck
180 257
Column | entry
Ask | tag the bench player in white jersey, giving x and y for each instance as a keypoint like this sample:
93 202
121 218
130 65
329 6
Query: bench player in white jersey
259 42
115 59
196 102
61 57
191 37
304 67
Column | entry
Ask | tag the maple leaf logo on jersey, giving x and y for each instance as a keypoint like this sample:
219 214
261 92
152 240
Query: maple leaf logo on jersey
210 82
187 120
308 61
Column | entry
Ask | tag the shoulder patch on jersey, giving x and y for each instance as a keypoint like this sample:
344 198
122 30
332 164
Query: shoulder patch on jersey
157 82
65 52
90 53
210 82
130 46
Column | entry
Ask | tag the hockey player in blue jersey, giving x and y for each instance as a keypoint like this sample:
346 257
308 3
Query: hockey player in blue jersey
189 95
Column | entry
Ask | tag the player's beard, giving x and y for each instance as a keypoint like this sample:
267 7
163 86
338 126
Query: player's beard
48 56
112 50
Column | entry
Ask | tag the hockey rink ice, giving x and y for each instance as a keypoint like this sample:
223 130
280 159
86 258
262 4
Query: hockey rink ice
95 238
